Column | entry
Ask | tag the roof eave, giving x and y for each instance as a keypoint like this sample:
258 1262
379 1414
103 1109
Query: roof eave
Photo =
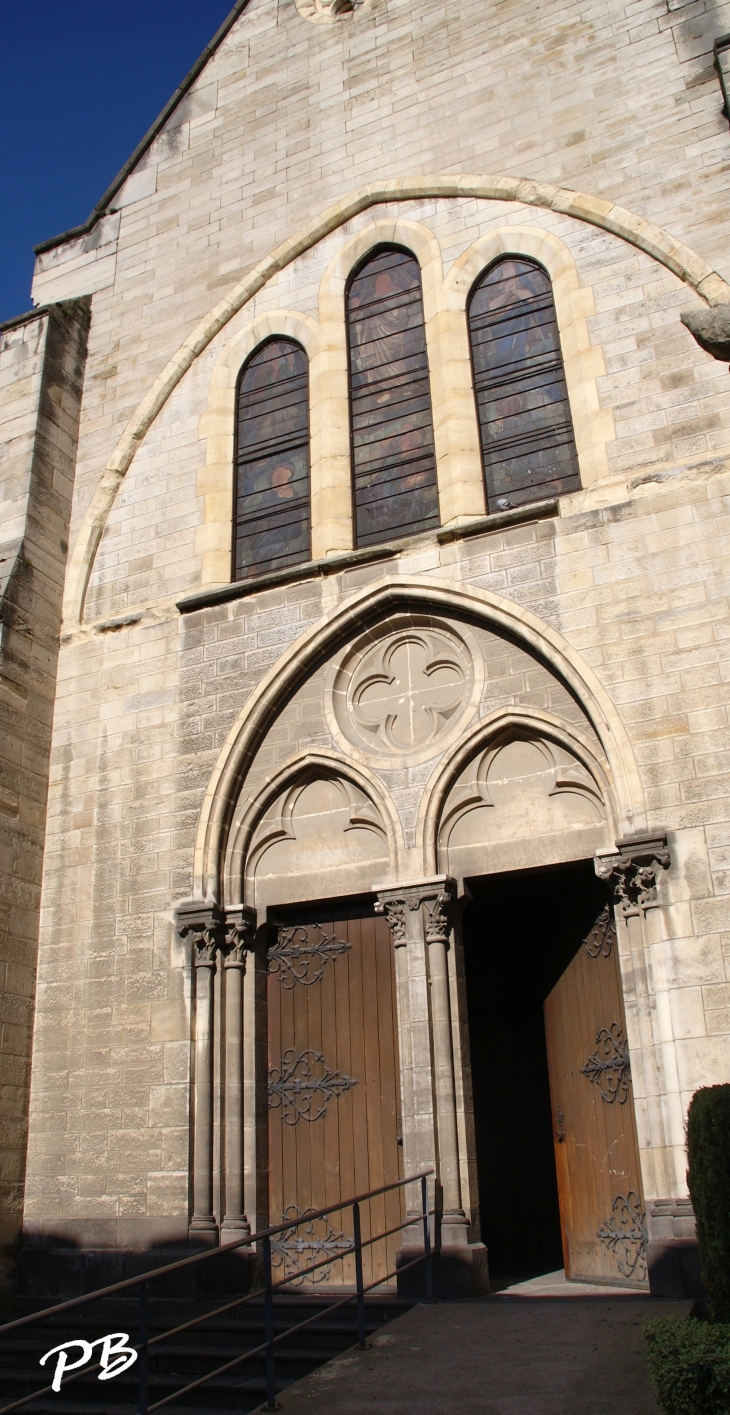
149 137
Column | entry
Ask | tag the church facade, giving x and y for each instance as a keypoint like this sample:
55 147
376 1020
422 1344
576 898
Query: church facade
365 658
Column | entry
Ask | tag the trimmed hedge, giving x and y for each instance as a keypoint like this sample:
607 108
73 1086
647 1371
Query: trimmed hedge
708 1177
689 1362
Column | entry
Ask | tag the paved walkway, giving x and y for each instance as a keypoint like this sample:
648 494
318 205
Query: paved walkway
516 1353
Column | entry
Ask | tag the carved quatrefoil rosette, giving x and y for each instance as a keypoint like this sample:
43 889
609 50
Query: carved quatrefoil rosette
403 692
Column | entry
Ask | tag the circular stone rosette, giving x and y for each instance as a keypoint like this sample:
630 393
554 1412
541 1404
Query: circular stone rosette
404 691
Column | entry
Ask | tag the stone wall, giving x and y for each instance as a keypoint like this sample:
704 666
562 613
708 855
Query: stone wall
41 374
289 117
638 591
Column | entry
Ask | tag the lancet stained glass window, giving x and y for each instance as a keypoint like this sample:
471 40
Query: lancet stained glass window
272 460
528 447
394 467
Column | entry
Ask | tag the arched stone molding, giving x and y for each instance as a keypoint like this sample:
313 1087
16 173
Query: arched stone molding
385 596
605 215
492 729
300 769
213 540
583 362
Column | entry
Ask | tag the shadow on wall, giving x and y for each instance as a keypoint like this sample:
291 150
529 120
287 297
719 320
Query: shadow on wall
56 1268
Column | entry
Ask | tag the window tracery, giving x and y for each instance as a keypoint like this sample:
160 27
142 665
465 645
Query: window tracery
394 466
525 425
272 511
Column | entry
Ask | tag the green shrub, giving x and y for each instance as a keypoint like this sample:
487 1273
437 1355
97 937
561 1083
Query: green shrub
689 1362
708 1146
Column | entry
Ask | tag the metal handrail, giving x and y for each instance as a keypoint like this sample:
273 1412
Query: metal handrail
267 1291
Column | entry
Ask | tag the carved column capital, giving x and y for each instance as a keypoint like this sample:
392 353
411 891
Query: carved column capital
440 915
395 915
240 931
632 873
204 923
438 895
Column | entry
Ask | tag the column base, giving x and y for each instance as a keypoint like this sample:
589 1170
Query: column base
672 1255
459 1270
203 1232
234 1228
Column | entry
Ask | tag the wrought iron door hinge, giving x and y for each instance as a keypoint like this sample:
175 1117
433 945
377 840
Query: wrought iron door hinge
298 1078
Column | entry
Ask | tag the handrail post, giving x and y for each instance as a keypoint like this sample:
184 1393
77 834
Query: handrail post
438 1215
427 1239
143 1330
269 1318
361 1333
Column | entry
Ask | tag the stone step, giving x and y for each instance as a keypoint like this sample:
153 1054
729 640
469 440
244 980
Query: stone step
178 1360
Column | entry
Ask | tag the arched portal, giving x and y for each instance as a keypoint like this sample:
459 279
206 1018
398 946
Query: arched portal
463 751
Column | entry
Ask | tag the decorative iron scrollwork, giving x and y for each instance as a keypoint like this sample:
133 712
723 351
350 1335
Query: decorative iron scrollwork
294 1084
625 1234
602 936
299 1246
303 962
611 1070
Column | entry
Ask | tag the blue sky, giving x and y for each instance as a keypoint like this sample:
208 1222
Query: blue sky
80 85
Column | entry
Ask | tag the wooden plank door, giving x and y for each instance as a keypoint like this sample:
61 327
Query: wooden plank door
333 1086
594 1126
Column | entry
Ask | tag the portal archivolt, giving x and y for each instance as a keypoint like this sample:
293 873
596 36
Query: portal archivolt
439 759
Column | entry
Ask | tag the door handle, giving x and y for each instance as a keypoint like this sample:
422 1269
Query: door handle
559 1124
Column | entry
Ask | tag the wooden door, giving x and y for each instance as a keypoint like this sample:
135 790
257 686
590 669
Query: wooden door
333 1086
594 1126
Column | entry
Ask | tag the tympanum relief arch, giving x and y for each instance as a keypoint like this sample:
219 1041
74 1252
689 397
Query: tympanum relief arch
270 819
389 595
564 767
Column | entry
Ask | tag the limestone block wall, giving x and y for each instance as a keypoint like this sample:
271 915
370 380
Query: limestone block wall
41 373
638 588
288 116
644 396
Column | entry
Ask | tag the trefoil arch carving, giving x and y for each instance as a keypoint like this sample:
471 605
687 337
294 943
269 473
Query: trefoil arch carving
513 753
347 807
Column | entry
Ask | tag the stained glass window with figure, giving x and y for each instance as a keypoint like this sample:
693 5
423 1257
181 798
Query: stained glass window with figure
272 461
528 446
394 467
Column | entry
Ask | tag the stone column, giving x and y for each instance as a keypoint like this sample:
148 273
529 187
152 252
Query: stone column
204 924
418 915
632 873
438 928
240 929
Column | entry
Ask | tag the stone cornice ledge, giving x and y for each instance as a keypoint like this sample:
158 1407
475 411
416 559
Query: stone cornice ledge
333 564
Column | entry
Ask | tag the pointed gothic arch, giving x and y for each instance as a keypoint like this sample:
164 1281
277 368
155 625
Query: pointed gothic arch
659 244
304 767
494 731
391 593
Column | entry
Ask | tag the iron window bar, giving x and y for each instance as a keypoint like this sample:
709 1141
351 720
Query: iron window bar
430 1250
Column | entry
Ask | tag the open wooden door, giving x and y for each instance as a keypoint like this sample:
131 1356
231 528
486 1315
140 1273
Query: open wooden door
594 1126
333 1086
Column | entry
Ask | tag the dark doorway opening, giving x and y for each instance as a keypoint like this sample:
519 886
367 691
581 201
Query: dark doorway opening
520 933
